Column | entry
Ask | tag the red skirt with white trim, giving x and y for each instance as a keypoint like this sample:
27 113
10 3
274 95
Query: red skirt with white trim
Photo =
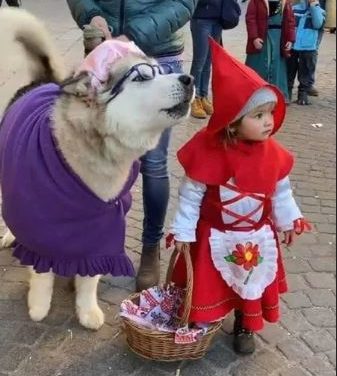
213 299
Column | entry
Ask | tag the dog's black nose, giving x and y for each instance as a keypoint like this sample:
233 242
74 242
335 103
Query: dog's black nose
186 80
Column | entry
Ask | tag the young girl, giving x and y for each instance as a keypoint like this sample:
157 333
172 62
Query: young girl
234 199
271 34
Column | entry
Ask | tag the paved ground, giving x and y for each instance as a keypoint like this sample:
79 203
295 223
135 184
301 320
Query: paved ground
303 343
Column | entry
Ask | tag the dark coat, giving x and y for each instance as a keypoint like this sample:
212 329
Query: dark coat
209 9
257 24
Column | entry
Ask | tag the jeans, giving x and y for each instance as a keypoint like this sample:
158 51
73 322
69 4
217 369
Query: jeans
303 65
202 29
313 76
156 185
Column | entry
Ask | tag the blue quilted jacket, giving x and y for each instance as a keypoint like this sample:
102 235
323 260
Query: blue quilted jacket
310 20
154 25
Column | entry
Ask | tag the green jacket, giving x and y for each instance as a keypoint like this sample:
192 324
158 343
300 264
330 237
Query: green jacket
152 24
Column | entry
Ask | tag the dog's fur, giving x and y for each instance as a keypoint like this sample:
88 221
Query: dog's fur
98 138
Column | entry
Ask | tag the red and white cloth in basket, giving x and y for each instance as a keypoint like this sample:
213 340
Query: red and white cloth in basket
158 310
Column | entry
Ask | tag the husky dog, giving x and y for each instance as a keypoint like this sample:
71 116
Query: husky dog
99 134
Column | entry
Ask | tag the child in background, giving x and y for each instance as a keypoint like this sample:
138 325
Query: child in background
234 199
310 19
271 34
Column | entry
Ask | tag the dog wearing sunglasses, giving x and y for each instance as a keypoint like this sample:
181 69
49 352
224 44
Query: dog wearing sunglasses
67 153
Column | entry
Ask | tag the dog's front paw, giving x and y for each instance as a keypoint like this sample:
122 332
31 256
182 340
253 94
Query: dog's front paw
38 313
8 240
91 319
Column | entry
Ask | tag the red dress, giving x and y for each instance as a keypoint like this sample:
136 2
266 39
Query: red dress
213 298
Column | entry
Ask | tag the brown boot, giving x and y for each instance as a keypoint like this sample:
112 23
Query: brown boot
149 270
207 106
197 109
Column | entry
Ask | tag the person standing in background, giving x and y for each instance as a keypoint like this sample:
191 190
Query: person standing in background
313 91
271 34
302 64
331 16
205 23
154 27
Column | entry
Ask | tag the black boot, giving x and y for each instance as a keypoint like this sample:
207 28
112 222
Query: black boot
149 270
244 341
303 98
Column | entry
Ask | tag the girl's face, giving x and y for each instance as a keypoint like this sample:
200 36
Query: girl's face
257 125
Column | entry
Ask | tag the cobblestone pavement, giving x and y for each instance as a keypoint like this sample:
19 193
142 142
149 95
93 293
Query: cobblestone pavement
303 343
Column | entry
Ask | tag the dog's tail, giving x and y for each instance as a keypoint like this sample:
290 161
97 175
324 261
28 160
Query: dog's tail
22 27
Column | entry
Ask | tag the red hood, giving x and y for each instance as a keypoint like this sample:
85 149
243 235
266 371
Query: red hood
231 77
255 166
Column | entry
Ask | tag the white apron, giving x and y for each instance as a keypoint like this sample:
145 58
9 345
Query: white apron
247 260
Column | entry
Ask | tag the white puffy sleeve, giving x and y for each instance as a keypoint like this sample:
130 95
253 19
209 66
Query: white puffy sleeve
184 226
285 208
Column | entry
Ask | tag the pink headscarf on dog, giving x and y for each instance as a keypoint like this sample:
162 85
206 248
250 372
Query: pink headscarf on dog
101 59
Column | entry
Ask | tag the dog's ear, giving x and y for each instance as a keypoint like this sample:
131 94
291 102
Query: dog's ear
79 86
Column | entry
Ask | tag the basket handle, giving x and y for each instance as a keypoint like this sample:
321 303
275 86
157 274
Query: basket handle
189 283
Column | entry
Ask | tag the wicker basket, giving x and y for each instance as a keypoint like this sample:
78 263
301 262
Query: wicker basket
160 346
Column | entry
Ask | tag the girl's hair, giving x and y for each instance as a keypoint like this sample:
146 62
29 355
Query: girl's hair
229 135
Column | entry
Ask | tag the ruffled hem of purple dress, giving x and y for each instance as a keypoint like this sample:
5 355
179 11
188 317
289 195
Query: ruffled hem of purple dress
115 265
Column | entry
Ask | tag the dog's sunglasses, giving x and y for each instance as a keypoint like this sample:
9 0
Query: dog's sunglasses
141 72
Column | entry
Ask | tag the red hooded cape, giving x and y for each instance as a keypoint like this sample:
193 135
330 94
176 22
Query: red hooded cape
255 166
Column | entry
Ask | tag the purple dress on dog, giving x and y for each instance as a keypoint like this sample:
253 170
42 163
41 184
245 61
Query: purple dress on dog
59 224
